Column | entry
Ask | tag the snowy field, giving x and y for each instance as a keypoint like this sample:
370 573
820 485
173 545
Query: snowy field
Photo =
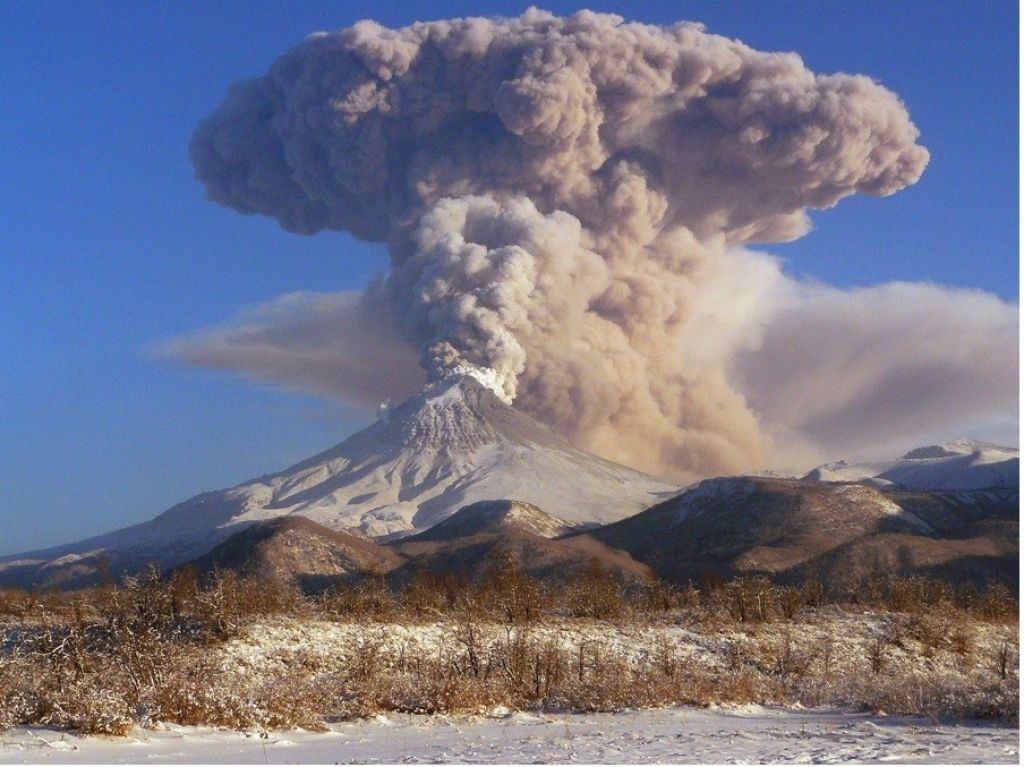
752 734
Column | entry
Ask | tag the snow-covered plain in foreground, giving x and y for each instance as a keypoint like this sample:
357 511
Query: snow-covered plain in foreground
677 735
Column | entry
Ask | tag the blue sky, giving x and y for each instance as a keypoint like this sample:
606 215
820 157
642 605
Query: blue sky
107 246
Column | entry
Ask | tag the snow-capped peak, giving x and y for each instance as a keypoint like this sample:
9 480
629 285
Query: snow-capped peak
961 446
960 464
453 444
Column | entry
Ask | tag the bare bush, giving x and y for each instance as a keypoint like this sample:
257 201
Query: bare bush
369 599
508 592
158 648
595 594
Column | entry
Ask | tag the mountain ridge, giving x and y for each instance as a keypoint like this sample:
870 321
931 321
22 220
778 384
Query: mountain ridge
453 471
836 532
960 464
450 445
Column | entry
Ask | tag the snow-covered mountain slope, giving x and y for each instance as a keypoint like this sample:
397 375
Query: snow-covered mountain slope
453 444
495 517
962 464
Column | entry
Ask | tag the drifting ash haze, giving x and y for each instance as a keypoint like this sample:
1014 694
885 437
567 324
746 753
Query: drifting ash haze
565 203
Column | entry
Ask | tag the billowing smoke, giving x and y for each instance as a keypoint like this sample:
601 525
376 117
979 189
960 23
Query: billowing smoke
562 200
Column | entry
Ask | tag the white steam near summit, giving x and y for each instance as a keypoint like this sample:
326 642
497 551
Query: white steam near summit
565 202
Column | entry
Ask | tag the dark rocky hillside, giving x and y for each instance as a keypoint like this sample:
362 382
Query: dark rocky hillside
838 532
298 550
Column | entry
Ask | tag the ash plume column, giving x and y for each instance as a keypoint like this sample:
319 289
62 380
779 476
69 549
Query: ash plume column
555 192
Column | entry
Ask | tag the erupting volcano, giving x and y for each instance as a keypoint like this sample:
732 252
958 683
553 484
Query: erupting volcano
453 444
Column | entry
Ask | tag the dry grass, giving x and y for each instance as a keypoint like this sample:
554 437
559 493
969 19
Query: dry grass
156 649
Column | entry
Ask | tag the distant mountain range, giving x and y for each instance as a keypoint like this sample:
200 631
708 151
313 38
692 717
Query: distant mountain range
792 529
786 529
962 464
453 473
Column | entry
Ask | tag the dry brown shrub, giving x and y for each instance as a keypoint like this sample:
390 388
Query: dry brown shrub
367 600
110 658
595 594
425 596
509 593
997 603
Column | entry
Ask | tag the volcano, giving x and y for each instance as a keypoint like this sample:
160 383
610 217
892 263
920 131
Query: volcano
453 444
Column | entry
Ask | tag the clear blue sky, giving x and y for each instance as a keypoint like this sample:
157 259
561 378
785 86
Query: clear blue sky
107 245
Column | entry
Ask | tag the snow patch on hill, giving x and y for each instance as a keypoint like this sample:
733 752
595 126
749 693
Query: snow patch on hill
495 517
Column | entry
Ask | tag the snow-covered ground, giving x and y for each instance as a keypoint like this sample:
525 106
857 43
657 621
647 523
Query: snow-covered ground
677 735
274 648
277 645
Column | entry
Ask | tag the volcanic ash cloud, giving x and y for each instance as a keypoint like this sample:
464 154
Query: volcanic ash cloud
559 196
